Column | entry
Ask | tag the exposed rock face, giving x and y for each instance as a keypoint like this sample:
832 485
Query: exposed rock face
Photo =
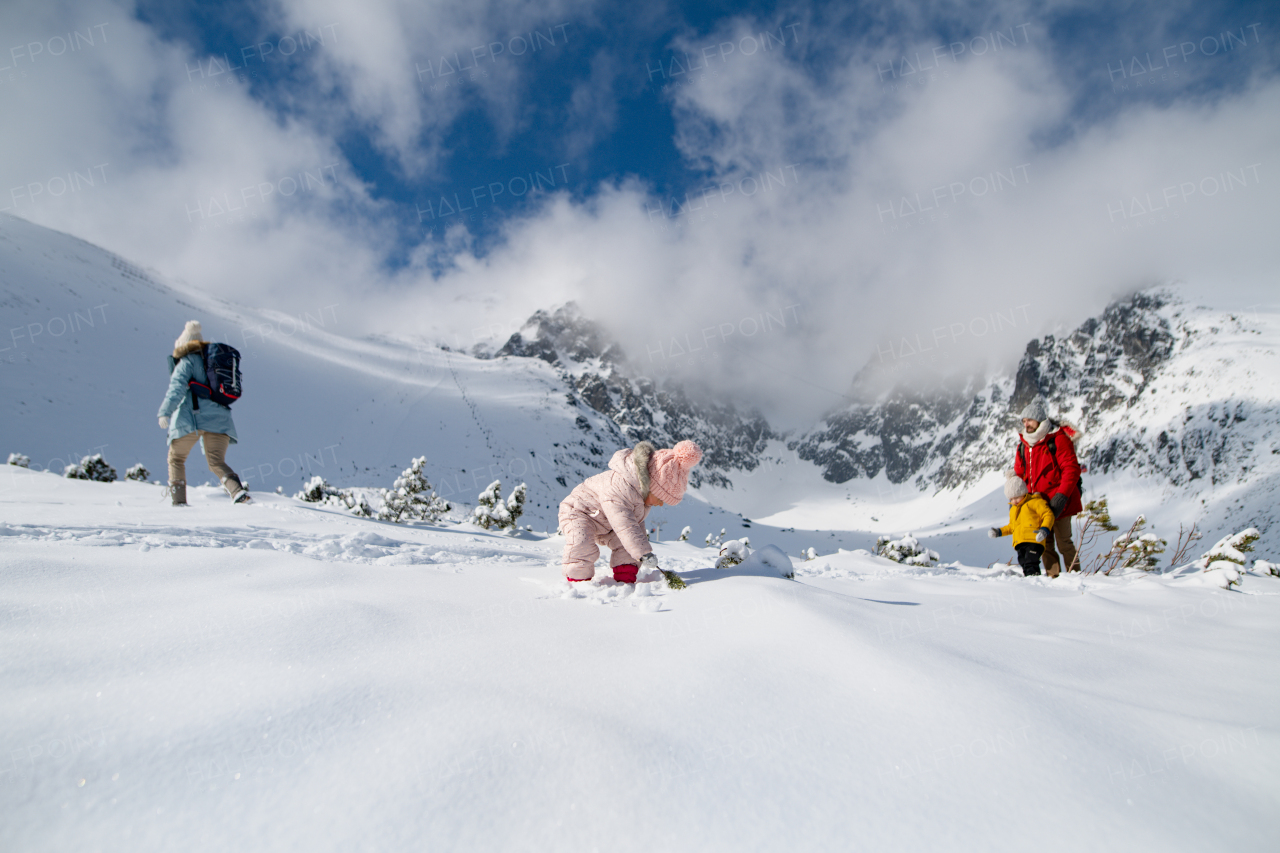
1128 378
1159 388
598 371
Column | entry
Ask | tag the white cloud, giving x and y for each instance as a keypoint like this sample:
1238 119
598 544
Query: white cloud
809 209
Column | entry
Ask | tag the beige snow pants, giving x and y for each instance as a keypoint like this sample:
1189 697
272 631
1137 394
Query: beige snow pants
583 536
215 451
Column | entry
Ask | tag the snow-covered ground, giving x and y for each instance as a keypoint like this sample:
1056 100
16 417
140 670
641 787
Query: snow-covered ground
277 676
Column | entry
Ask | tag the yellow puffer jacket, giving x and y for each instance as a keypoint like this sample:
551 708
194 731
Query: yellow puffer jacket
1026 519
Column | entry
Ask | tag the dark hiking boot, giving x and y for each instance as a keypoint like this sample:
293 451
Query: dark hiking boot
178 493
239 494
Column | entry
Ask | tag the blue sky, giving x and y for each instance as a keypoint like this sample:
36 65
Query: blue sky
887 168
485 161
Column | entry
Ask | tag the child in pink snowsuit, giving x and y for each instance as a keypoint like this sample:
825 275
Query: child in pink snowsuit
610 509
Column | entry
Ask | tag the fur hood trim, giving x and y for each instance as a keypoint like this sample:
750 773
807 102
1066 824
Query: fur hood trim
1047 427
640 456
1072 432
188 348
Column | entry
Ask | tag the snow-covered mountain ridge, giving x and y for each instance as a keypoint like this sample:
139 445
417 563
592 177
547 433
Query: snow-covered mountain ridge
596 369
1178 405
1183 400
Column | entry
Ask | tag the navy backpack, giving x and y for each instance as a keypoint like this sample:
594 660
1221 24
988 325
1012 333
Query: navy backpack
222 370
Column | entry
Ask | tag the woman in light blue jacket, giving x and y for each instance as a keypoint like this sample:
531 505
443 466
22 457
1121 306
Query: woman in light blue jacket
186 425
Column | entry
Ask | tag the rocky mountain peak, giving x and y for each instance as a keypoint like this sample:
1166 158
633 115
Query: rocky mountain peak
640 408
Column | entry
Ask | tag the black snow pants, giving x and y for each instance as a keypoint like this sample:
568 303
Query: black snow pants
1029 557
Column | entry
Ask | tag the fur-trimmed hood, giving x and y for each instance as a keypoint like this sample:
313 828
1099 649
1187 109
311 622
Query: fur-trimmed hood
634 465
1046 427
640 456
188 348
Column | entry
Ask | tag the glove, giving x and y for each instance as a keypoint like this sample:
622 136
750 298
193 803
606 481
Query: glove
164 422
1042 535
649 563
1058 503
994 533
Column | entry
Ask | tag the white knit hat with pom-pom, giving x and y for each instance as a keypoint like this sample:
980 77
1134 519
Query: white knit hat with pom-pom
190 332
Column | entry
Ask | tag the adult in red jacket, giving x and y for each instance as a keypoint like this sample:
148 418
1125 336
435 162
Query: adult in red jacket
1046 461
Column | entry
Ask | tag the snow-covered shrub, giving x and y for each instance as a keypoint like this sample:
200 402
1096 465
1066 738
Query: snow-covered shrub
91 468
1140 552
20 460
1133 549
138 473
318 491
809 553
1264 567
1225 561
684 534
1223 573
358 504
905 550
1143 552
1091 522
493 512
315 491
1231 548
732 553
715 540
411 497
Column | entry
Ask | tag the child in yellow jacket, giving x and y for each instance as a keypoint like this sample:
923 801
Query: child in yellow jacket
1030 522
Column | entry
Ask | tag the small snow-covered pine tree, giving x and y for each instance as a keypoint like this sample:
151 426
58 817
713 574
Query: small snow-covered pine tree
411 497
318 491
715 540
137 472
91 468
1266 568
1134 549
1227 558
494 512
684 534
315 491
1231 549
733 552
20 460
516 501
1144 551
905 550
809 553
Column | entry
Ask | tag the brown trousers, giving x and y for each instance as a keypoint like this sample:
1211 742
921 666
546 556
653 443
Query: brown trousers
215 451
1062 539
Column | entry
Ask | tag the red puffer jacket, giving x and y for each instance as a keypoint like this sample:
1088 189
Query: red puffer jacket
1050 466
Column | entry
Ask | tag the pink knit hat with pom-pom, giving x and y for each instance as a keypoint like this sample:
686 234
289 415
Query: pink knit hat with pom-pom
669 471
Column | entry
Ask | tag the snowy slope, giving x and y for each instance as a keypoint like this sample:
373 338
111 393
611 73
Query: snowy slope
279 677
83 371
